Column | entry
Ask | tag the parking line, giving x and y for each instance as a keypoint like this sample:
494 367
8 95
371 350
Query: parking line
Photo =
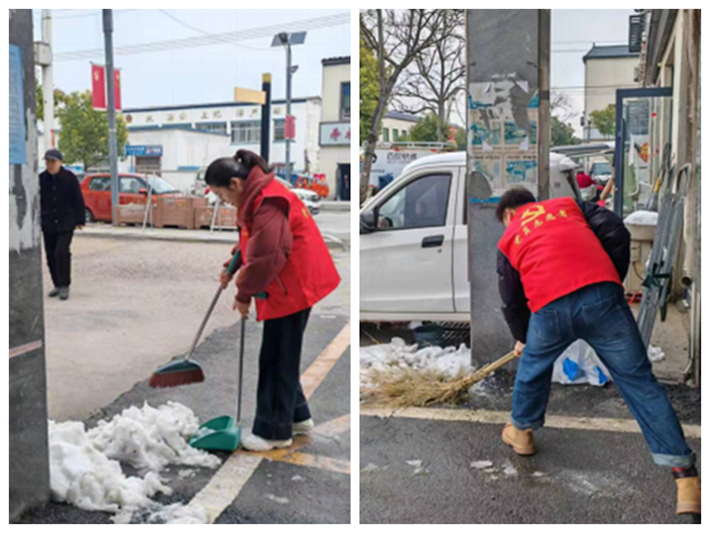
235 472
482 416
315 374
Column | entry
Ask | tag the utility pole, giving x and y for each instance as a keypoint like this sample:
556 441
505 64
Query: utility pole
48 80
111 109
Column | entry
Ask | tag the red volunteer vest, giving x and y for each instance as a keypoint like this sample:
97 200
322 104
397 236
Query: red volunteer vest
555 251
309 274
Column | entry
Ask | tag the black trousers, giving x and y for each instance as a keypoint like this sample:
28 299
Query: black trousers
280 401
57 246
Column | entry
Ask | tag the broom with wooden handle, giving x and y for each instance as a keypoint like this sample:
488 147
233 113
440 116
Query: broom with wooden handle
414 388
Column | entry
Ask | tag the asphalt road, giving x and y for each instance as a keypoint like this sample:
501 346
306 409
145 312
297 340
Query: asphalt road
136 305
577 476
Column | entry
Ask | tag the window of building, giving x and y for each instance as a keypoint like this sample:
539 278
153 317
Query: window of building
404 134
395 135
345 100
279 129
385 135
246 132
215 127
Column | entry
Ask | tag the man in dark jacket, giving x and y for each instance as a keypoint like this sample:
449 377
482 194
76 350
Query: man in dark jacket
560 266
62 208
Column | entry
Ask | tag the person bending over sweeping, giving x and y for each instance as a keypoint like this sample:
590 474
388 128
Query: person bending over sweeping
560 269
286 269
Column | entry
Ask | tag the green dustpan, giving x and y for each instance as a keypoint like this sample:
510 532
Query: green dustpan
223 433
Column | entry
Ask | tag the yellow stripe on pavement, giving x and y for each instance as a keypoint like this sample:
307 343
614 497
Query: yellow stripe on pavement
334 427
226 484
482 416
232 476
315 374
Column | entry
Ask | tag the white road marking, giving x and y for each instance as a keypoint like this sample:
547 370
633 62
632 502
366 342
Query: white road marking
482 416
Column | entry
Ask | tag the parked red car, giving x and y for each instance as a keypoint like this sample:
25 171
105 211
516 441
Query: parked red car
133 189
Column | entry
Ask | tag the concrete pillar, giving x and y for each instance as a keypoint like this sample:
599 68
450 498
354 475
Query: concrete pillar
508 90
29 466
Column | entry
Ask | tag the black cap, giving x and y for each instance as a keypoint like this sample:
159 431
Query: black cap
53 153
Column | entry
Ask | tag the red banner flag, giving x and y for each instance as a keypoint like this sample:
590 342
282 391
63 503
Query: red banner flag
290 129
98 87
117 88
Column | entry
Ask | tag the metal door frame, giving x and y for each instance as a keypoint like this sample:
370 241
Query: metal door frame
651 92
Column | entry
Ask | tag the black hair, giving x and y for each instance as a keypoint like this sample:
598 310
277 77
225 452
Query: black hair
512 199
222 170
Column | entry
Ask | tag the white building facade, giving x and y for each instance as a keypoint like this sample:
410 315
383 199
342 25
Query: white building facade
396 126
335 132
239 124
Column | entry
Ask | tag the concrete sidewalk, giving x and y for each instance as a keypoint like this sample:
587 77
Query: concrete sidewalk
334 205
106 231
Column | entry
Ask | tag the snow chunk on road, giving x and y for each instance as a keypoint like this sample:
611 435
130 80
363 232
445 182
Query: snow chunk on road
397 354
83 476
178 513
480 465
85 469
149 439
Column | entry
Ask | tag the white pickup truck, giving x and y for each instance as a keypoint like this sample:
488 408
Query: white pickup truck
413 241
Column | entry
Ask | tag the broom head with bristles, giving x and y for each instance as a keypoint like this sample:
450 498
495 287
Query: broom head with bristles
176 373
416 388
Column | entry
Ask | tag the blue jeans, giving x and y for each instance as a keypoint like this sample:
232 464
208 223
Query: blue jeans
599 315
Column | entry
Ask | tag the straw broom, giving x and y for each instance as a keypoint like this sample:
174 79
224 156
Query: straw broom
414 388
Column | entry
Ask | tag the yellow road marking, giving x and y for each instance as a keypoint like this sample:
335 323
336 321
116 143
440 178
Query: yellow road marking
318 461
334 427
315 374
232 476
619 425
226 484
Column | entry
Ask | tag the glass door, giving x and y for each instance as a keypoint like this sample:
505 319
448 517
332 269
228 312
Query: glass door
643 129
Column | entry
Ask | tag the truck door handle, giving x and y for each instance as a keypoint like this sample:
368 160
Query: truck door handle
433 241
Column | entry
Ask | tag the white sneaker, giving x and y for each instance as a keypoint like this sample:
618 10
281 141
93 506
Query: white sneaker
301 428
255 443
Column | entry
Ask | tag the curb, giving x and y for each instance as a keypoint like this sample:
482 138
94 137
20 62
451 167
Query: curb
331 241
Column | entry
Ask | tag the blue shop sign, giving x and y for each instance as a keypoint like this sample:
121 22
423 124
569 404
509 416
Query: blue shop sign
142 150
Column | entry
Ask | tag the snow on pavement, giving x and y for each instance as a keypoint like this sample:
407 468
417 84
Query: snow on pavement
85 467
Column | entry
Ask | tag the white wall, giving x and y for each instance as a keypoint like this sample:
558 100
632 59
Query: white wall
333 76
306 112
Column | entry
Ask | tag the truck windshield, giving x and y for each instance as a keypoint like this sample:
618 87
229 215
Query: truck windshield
599 169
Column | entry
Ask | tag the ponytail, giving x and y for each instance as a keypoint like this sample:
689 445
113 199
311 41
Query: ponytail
222 170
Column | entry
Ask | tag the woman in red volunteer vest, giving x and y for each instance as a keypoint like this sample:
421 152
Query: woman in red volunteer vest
561 264
286 268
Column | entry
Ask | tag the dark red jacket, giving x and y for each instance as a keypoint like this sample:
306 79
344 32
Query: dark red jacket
553 248
284 253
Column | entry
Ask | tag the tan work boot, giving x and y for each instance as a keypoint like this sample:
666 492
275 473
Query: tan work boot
521 440
688 495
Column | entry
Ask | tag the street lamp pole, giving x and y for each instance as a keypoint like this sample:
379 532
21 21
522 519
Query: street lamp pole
111 109
289 73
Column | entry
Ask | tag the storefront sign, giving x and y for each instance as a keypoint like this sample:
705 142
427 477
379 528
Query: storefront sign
335 134
138 150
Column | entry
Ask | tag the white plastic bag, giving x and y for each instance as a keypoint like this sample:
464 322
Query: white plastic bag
578 364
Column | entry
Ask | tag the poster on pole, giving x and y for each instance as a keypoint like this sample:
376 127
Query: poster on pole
17 131
98 87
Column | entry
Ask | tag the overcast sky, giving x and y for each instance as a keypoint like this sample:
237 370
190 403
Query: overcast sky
573 33
204 74
208 74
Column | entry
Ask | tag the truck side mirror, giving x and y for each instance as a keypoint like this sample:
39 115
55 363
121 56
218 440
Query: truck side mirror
368 222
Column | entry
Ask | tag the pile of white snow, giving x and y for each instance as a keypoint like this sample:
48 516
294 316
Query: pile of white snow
85 469
642 218
397 354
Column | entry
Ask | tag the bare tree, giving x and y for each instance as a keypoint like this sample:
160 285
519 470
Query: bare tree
436 77
396 37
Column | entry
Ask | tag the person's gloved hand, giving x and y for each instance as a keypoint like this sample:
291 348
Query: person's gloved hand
519 348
